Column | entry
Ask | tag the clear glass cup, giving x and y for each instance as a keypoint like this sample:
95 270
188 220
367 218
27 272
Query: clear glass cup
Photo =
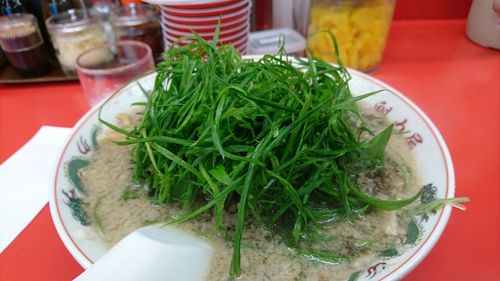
103 70
359 26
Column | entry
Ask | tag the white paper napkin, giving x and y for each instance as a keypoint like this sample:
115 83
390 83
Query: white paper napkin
25 179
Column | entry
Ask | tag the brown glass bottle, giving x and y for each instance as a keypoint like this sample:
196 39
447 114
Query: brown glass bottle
138 22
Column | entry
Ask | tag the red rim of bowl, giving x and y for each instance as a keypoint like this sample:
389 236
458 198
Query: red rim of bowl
224 40
241 46
205 35
243 49
240 42
206 27
207 20
205 12
202 6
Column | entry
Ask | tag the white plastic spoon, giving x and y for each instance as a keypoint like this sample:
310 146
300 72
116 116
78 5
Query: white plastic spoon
153 253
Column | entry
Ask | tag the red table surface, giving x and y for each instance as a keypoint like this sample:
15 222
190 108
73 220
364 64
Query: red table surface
455 82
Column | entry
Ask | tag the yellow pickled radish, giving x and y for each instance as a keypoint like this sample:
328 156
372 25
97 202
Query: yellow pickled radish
360 28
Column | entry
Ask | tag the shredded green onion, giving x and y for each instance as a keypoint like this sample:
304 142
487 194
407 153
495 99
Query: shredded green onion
280 140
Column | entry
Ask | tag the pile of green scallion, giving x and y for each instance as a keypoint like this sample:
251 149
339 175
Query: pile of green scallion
278 140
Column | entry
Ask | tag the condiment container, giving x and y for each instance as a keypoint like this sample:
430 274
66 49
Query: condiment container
359 26
72 33
268 42
483 23
23 45
103 10
140 23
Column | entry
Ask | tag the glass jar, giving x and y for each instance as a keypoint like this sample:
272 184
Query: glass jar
23 45
140 23
72 33
103 9
359 26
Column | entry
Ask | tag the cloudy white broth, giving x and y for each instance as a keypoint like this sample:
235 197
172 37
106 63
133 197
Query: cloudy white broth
271 161
117 207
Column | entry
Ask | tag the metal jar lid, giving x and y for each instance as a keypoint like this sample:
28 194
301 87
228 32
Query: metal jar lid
71 21
19 32
132 15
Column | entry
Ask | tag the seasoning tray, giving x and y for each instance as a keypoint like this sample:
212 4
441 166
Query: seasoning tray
9 76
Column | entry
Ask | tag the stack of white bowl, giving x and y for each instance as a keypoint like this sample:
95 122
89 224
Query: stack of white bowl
180 17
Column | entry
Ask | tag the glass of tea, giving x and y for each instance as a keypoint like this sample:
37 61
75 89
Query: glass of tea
23 45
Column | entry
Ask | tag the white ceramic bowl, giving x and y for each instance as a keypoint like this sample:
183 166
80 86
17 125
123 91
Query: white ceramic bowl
207 19
241 44
206 27
205 12
424 141
192 4
238 37
207 35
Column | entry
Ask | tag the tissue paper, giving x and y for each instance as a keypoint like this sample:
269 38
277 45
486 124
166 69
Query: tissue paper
25 179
